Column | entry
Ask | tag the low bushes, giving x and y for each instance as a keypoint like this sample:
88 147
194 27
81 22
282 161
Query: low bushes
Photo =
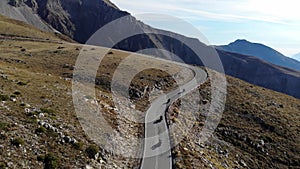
17 142
92 150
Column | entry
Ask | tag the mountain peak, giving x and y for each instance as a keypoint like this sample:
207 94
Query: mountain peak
241 41
247 42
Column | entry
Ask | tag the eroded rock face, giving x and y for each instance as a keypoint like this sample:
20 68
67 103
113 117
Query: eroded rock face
16 3
78 19
30 3
24 10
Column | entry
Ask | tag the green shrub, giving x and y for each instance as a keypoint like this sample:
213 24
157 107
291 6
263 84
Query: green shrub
92 150
22 83
31 120
4 126
17 142
2 165
4 97
34 113
50 161
51 133
78 145
40 130
41 158
49 111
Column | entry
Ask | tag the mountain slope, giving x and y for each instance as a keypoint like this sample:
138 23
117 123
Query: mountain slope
13 28
70 18
297 57
258 130
261 51
37 116
256 71
21 11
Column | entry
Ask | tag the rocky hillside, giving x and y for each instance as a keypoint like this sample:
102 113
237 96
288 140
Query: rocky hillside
38 123
261 51
259 129
70 18
19 10
262 73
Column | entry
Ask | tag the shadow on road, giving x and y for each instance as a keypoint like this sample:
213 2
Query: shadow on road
156 145
158 120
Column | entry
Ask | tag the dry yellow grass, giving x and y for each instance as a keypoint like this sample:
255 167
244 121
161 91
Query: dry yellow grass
44 69
10 28
259 129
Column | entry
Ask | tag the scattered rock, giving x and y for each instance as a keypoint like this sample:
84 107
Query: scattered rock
13 99
224 165
242 163
5 77
47 100
41 115
10 164
262 143
67 139
204 101
88 167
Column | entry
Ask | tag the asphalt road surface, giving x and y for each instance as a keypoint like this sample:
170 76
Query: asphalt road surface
157 148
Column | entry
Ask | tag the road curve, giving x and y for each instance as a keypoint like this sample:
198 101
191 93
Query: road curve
157 148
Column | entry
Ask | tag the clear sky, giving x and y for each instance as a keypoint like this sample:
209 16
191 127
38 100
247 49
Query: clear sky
275 23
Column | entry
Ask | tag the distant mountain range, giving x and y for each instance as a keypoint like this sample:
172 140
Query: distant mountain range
261 51
297 57
71 18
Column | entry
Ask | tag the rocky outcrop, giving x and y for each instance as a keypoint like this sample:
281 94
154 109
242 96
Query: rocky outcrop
78 19
24 10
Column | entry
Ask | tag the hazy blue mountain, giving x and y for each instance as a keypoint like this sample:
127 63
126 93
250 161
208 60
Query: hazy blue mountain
261 51
297 57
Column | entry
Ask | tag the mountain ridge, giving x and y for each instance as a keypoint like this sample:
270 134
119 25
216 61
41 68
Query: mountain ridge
68 18
297 57
261 51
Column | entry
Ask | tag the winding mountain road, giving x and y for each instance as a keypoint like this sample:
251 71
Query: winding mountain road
157 147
